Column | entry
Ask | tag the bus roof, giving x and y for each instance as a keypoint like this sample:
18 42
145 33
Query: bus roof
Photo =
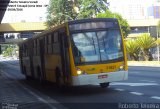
92 20
69 22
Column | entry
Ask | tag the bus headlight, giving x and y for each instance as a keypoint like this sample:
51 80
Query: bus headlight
121 68
79 72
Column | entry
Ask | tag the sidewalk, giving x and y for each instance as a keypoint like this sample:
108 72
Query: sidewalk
15 96
144 63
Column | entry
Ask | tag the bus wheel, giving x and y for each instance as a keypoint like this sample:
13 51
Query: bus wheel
25 72
104 85
28 77
40 79
58 77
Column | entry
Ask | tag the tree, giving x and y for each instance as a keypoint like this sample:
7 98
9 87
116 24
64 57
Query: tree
132 49
158 41
158 27
90 8
8 52
123 23
145 42
60 11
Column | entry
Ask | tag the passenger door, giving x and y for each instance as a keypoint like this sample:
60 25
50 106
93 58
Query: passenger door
64 55
41 49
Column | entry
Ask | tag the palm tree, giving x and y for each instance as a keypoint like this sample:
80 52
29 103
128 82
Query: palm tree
145 42
158 41
132 49
158 27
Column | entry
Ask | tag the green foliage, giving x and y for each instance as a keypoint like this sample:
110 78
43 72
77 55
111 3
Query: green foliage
141 45
107 14
8 52
132 49
158 28
123 23
145 42
90 8
60 11
158 41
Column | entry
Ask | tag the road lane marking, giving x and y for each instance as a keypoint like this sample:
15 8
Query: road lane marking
155 97
148 81
134 72
134 84
136 93
119 89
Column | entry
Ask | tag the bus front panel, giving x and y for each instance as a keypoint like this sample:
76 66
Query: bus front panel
98 54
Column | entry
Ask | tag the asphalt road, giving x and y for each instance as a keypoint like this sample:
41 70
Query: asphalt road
139 91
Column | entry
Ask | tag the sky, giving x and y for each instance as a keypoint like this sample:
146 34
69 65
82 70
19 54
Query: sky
118 3
126 2
26 10
38 14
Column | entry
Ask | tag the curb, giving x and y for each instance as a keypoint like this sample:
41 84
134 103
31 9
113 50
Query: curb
144 63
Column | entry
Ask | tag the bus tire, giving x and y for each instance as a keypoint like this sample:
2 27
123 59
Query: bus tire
28 77
58 77
104 85
40 78
24 70
25 73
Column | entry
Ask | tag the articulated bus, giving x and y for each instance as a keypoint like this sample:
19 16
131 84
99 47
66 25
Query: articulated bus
79 52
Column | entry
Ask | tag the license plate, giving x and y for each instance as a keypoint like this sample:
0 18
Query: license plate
102 76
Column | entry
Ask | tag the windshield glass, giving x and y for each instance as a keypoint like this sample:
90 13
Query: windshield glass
97 46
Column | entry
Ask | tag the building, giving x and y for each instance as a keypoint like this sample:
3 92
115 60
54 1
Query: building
142 15
136 9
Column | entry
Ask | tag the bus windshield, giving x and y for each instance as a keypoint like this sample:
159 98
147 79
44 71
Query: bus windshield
99 46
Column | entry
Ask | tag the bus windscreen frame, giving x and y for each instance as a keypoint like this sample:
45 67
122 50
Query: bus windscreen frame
93 25
121 58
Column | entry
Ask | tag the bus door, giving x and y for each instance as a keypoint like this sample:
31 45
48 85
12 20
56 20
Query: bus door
41 54
20 58
30 49
65 56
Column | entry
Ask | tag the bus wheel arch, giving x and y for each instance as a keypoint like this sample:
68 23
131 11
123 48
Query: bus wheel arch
58 76
25 73
104 85
24 70
39 73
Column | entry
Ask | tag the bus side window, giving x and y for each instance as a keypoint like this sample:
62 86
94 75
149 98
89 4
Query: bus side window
52 42
56 45
37 48
49 45
46 50
34 47
26 51
66 41
56 37
49 38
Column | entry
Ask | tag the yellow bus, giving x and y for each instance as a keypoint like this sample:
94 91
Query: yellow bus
79 52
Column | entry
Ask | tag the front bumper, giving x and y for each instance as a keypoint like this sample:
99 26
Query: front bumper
94 78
